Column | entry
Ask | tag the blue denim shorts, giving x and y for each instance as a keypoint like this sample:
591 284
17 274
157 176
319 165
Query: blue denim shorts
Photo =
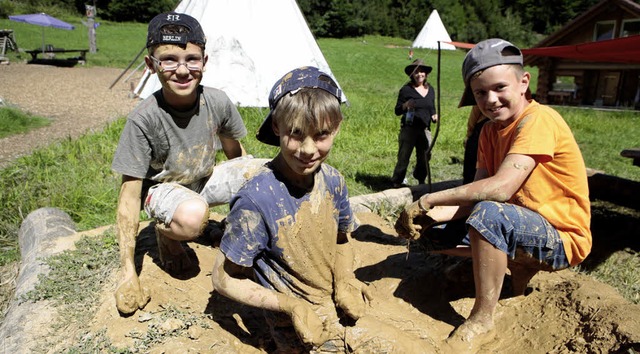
506 226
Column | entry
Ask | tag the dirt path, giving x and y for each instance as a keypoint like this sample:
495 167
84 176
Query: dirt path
76 99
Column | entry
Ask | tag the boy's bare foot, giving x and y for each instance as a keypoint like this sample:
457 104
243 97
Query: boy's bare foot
470 329
173 257
470 336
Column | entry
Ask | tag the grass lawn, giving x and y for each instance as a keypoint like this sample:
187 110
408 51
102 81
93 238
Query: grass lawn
14 121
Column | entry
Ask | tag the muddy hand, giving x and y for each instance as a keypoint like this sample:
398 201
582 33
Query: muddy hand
130 296
353 296
405 225
307 324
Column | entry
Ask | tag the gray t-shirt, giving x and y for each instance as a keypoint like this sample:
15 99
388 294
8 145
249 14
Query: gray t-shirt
164 145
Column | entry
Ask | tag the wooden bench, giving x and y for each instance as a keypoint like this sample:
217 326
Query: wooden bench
633 153
53 60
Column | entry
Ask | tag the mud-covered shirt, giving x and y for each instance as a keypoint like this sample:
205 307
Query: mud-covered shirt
162 144
289 237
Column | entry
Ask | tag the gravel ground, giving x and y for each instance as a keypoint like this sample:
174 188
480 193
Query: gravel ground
77 100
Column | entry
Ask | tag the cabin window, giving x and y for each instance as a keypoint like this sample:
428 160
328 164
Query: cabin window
604 30
565 84
630 28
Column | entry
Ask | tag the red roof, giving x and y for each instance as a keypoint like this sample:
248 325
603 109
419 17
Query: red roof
618 50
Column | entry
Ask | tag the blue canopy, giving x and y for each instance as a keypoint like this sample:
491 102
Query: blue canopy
43 20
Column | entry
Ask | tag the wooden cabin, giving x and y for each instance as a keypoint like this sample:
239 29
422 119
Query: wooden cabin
580 82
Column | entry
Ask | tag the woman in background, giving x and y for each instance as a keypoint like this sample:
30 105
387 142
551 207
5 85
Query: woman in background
416 105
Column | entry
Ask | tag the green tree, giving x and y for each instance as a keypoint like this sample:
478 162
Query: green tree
454 18
543 16
137 10
410 16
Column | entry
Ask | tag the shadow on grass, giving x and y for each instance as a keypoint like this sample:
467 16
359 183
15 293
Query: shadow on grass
613 228
374 182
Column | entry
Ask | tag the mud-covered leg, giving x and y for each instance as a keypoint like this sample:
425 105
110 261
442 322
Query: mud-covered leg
489 268
523 268
520 277
173 256
189 221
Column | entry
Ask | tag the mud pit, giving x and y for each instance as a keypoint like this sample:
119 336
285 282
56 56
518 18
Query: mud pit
426 297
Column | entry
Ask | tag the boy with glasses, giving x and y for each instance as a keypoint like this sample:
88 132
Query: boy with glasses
167 154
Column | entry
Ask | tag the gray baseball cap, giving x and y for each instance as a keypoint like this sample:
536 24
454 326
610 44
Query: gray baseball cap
485 54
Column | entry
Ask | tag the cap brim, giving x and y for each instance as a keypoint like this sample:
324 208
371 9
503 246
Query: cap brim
467 98
265 133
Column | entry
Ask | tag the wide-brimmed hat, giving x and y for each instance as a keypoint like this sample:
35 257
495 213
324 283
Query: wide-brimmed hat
417 65
292 82
488 53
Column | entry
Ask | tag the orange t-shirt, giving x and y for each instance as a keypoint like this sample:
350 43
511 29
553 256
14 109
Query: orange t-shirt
475 117
557 188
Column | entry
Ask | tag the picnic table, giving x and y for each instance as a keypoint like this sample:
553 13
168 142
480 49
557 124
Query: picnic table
634 154
49 56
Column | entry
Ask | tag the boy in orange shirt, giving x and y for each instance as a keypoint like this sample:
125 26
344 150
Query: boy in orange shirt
528 207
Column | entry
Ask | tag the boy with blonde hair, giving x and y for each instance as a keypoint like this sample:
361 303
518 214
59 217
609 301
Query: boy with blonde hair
528 207
290 226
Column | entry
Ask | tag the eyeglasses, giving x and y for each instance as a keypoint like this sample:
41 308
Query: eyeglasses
172 65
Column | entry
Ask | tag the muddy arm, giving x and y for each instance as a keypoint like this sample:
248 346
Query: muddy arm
232 148
229 280
130 295
351 294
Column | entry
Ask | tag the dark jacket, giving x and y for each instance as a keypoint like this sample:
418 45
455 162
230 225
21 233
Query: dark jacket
424 106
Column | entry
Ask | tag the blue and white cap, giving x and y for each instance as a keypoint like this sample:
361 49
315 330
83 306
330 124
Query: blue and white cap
292 82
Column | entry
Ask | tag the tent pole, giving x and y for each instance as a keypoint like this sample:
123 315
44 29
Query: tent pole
134 71
127 68
438 112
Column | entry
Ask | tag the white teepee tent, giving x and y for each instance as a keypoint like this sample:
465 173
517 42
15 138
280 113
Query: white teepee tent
251 44
432 32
